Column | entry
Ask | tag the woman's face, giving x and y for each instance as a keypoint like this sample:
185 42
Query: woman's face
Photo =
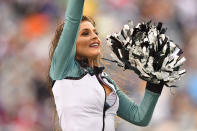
88 43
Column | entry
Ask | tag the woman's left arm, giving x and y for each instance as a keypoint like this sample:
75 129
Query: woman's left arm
139 114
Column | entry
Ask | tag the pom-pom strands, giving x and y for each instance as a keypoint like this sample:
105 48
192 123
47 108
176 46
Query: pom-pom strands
146 49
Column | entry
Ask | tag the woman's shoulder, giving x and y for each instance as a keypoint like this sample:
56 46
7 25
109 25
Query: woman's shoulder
72 71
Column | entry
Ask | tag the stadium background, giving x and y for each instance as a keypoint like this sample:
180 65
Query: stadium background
28 26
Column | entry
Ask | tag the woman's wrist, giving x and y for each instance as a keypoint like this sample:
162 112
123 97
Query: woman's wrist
156 88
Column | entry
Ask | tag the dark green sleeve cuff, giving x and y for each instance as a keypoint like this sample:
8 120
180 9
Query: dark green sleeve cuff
156 88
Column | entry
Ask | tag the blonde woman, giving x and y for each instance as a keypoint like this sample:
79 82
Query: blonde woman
86 98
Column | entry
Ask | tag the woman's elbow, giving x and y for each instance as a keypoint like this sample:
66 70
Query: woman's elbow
142 123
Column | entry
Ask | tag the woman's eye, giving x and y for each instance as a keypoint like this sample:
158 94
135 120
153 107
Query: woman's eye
85 33
88 33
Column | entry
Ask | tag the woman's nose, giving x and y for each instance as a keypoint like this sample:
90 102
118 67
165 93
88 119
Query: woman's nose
94 36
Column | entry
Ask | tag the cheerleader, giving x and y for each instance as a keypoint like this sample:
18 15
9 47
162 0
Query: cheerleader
86 98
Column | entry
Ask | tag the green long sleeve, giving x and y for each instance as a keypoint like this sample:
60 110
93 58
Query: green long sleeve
133 113
63 61
137 114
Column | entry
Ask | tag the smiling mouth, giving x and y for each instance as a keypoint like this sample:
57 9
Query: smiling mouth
94 45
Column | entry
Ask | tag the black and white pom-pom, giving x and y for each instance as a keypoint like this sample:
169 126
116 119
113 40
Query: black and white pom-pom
146 49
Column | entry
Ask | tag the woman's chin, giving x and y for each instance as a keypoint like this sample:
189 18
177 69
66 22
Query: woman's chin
94 54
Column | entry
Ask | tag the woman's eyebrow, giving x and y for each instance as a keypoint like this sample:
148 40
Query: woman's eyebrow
87 29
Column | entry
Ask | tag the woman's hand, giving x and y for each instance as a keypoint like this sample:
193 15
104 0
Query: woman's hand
156 88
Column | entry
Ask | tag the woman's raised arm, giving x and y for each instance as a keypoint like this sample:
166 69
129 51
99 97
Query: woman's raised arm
64 55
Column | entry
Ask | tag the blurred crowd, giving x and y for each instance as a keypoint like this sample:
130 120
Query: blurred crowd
27 28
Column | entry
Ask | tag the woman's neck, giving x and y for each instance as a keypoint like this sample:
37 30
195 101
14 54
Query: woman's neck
89 61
